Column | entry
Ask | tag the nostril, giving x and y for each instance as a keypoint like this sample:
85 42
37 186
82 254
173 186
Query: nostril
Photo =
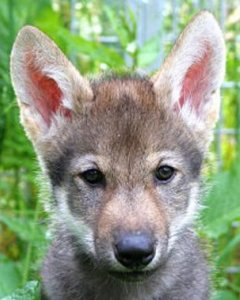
134 250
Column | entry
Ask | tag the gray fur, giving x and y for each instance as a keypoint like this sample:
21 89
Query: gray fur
67 275
126 127
71 272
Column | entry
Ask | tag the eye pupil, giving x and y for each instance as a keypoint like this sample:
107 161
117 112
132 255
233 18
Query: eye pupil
93 176
164 173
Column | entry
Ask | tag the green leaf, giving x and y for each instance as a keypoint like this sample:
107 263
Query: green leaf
24 227
95 50
224 295
229 248
116 24
148 52
223 203
29 292
10 278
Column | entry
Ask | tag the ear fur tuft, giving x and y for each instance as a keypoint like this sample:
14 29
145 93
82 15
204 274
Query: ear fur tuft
45 82
193 72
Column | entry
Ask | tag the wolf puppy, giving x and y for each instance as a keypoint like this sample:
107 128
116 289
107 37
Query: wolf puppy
123 156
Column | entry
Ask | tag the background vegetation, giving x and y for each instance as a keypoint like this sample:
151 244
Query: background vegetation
79 32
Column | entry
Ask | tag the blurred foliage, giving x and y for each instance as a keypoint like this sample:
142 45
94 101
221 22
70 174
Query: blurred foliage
221 218
82 33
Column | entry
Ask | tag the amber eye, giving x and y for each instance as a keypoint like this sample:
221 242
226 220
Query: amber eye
93 176
164 173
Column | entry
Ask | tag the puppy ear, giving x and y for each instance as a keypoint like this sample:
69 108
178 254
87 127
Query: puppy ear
193 72
47 85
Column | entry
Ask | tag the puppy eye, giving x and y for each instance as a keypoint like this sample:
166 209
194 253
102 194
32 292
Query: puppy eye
164 173
93 176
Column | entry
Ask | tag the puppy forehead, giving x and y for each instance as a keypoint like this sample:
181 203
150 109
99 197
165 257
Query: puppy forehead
125 100
125 116
114 89
127 125
127 113
124 112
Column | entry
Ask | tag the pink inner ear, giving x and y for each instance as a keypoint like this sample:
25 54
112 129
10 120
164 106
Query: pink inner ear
46 95
196 82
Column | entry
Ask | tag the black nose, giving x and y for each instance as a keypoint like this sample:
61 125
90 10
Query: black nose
135 250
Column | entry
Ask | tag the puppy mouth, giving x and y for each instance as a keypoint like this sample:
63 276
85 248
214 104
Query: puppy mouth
131 277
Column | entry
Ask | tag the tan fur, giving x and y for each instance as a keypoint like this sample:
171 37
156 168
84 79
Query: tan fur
126 209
